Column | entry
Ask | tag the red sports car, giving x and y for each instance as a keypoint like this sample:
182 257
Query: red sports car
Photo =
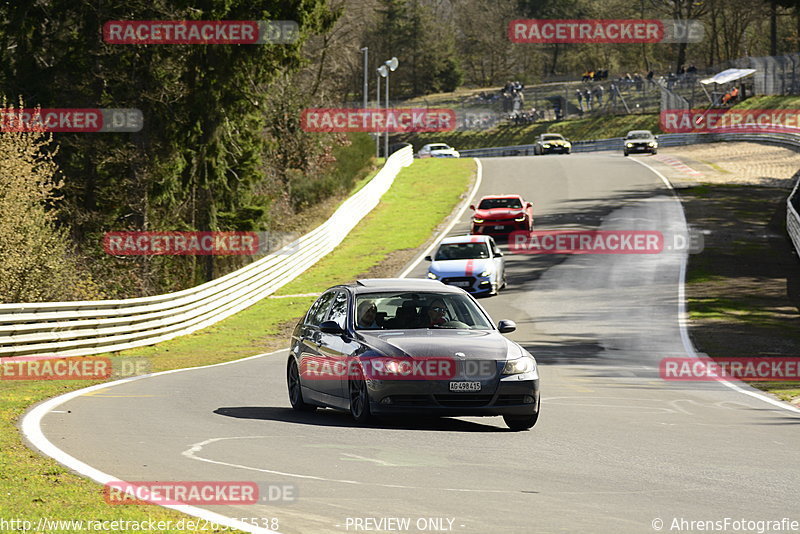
501 215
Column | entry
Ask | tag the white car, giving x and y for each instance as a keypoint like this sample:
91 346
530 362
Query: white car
471 262
437 150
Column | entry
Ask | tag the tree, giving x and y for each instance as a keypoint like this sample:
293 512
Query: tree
36 263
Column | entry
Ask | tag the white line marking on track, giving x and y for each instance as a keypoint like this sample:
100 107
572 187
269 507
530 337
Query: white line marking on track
31 427
683 316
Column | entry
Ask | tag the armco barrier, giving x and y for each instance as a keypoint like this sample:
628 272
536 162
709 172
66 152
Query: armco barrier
93 327
667 140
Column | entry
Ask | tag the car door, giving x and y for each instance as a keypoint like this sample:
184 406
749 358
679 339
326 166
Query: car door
332 346
314 372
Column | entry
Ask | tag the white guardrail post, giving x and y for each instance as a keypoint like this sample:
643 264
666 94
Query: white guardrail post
94 327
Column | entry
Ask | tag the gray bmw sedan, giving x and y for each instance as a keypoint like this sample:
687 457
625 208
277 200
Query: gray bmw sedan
392 346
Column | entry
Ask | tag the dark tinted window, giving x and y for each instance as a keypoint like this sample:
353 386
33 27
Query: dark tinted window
491 203
338 311
319 309
462 251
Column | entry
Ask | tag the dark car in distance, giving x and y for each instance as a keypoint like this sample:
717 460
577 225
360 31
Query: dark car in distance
409 346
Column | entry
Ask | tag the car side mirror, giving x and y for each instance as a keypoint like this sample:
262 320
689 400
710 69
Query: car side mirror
505 326
498 254
529 204
330 327
428 258
472 207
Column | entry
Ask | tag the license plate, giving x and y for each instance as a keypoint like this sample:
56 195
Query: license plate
465 386
499 227
461 284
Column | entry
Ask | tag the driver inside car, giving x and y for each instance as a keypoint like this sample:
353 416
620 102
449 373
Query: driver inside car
434 315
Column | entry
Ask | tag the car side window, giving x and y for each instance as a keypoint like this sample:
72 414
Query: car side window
338 312
319 309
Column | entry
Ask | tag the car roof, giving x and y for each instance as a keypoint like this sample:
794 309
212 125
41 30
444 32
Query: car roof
371 285
466 239
639 132
553 133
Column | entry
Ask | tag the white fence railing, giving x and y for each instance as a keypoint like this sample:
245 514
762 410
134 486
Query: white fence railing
93 327
666 140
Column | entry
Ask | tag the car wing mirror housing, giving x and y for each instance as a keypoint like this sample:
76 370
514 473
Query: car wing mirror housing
428 258
505 326
330 327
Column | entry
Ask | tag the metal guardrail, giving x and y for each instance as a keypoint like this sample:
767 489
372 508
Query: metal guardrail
669 140
94 327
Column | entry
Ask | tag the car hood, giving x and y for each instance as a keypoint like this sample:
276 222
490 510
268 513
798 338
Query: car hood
441 343
460 267
555 142
640 141
499 213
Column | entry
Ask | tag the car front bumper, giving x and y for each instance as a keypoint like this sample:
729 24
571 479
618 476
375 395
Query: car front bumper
641 148
555 149
423 397
501 227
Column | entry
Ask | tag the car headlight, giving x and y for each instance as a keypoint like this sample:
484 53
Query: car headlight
652 143
486 273
520 218
477 220
546 145
526 364
629 145
568 144
432 276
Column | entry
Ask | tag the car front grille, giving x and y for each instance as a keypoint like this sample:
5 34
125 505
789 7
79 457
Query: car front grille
452 280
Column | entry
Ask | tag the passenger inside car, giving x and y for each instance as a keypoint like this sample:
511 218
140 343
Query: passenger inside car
367 315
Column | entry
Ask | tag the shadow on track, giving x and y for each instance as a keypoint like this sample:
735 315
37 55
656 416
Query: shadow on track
333 418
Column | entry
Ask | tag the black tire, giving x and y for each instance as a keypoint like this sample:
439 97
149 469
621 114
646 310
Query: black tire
518 423
359 398
295 391
655 151
626 152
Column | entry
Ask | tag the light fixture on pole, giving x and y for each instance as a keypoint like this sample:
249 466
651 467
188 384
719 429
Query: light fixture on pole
384 73
389 66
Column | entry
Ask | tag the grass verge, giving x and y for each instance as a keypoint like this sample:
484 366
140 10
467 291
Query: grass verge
35 487
744 287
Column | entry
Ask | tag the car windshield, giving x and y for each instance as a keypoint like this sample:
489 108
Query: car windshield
439 147
552 137
414 310
462 251
640 135
492 203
